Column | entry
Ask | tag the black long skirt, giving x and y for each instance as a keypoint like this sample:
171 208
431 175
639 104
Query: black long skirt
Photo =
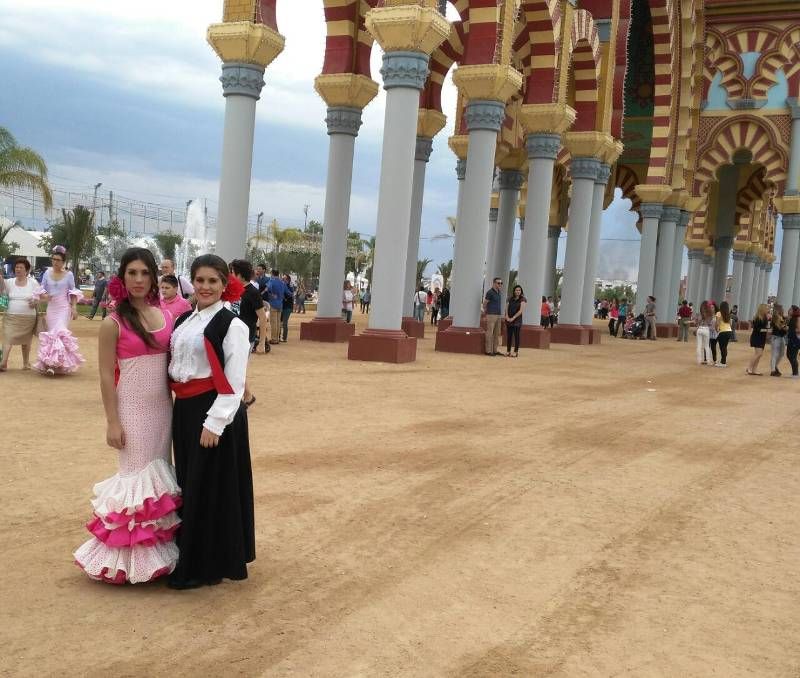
216 538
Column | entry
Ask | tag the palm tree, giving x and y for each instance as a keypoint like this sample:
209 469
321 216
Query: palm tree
22 167
76 233
422 264
282 237
167 242
445 270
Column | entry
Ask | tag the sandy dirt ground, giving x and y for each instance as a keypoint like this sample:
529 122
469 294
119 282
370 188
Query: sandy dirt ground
599 511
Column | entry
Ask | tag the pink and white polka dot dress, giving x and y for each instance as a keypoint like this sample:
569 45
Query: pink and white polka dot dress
135 510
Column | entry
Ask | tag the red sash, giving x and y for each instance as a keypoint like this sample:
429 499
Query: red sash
216 382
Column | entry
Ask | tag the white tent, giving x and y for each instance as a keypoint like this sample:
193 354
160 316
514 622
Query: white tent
28 241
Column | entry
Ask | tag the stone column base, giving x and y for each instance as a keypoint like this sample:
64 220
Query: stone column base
384 346
413 328
462 340
666 331
444 323
578 335
594 335
534 336
329 330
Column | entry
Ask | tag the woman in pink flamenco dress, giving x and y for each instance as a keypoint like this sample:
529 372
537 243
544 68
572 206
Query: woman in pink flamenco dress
58 348
135 510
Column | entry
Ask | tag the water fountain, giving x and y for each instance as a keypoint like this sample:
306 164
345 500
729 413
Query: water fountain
195 237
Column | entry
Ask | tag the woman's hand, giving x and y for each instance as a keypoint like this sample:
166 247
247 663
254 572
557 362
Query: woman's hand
74 313
115 436
208 439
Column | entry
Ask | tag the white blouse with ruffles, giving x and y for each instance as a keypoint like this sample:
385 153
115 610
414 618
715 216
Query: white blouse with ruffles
189 361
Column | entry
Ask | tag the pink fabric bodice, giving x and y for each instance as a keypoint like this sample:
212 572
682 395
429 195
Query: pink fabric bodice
131 345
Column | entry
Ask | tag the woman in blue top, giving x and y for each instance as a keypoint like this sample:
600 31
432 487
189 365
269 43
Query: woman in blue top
623 312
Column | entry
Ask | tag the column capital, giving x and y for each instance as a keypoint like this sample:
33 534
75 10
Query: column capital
430 122
484 114
768 267
696 254
461 169
544 145
407 28
346 89
554 231
242 79
546 118
603 174
598 145
739 255
459 144
653 193
343 120
671 213
794 107
723 242
651 210
751 257
492 82
423 149
245 42
510 180
404 69
791 222
686 217
522 223
493 213
788 204
584 168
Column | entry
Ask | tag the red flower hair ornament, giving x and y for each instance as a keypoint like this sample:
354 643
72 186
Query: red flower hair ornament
116 289
233 290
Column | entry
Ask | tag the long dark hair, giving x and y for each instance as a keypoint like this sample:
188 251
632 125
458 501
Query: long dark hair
725 311
521 293
125 310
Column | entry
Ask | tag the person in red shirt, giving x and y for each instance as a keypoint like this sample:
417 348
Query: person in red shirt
684 320
545 314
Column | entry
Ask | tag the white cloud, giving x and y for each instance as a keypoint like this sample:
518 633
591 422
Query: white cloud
159 49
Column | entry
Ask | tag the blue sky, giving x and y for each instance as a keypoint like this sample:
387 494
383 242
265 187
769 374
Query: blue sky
134 102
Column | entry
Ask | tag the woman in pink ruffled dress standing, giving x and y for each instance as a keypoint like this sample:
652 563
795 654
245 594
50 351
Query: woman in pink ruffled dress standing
58 348
135 510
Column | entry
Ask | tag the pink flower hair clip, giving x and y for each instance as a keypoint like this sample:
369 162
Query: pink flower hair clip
117 290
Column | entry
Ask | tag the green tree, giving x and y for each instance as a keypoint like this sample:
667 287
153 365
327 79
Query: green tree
422 264
7 247
313 228
75 232
281 238
370 245
22 167
445 270
167 242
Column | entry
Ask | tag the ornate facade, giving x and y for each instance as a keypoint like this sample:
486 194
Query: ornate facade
689 107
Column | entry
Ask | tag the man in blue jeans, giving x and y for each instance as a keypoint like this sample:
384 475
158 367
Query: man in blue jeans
493 307
275 291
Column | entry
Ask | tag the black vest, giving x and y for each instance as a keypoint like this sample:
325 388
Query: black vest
216 329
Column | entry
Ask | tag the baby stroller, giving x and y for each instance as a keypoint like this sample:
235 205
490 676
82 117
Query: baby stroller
634 328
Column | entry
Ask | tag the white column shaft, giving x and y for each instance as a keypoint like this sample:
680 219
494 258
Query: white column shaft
796 293
790 249
542 151
551 259
336 220
664 265
580 214
677 267
504 239
592 253
465 302
394 207
234 183
651 213
738 270
492 237
748 280
415 224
